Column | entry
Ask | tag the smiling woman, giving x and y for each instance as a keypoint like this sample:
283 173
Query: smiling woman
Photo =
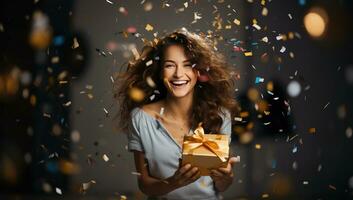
181 81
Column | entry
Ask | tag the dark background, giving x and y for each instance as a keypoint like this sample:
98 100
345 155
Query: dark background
57 109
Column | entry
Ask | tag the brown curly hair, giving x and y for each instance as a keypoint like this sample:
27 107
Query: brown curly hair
210 97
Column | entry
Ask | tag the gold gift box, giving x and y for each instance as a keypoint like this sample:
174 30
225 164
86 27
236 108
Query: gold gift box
200 155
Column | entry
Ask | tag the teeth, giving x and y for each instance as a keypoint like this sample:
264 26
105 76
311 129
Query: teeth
179 82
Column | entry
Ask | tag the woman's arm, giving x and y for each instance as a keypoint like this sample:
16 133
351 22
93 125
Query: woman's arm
157 187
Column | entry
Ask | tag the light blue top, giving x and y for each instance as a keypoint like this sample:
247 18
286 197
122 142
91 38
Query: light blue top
148 135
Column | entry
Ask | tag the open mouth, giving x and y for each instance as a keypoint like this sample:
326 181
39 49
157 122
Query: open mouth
179 83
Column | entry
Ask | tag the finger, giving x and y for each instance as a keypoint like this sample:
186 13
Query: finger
196 176
189 174
183 170
234 160
217 173
225 171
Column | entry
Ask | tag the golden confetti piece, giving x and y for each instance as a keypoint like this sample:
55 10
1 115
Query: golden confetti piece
123 197
135 53
105 157
186 4
136 94
264 11
58 191
257 146
265 196
236 21
150 82
248 53
228 27
149 27
263 2
244 114
267 112
238 119
75 43
312 130
55 59
257 26
305 182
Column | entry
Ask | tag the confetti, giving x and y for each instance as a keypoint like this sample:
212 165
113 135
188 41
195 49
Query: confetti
256 26
67 104
136 173
109 2
149 27
105 111
236 21
248 53
305 182
86 186
161 112
105 158
328 103
238 119
75 43
290 16
148 63
312 130
259 80
283 49
58 191
264 39
257 146
197 16
264 11
295 149
135 53
136 94
150 82
265 196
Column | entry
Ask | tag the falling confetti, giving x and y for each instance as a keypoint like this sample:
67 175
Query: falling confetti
149 27
105 157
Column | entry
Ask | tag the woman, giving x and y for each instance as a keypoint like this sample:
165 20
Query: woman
176 82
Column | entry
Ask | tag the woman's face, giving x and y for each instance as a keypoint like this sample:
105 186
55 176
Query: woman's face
178 75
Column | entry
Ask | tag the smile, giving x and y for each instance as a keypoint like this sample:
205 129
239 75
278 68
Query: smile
179 83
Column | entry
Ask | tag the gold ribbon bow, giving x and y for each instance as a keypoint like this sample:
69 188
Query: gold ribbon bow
198 139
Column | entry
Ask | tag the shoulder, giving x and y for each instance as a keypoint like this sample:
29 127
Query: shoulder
139 114
152 109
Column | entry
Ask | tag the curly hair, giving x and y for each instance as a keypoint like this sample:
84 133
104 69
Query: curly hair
211 96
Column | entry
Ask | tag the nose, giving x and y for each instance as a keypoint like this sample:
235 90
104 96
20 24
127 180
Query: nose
179 71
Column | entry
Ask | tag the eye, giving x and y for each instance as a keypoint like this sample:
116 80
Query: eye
188 65
168 65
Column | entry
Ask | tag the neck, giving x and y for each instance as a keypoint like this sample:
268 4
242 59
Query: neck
180 108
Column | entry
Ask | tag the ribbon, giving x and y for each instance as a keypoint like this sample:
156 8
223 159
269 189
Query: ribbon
198 139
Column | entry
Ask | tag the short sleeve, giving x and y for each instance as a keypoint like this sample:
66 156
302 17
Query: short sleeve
133 135
226 127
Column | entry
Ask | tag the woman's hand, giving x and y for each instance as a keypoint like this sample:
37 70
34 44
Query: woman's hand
184 176
223 176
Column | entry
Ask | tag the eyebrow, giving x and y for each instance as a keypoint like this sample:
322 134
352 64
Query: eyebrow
185 61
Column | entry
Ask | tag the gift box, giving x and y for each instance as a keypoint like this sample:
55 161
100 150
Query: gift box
205 151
